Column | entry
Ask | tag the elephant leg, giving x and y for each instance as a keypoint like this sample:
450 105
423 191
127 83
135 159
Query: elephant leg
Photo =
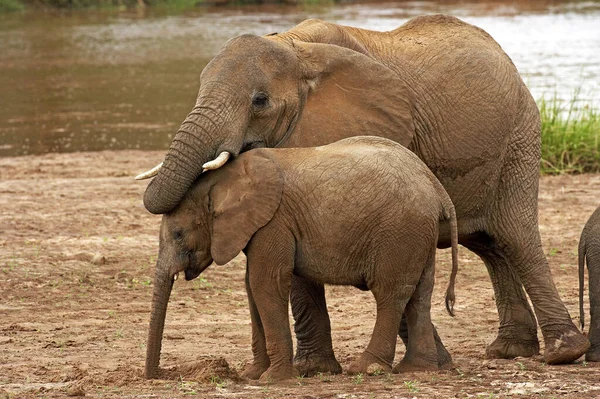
382 346
593 264
270 278
517 333
261 362
314 351
563 341
444 358
522 250
422 354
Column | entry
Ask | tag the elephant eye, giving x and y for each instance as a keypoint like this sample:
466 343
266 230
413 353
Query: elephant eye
177 235
260 100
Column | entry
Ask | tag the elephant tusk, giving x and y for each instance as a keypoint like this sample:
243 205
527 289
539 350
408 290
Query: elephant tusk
176 276
217 162
151 173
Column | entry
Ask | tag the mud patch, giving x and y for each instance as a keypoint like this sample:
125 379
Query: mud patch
204 370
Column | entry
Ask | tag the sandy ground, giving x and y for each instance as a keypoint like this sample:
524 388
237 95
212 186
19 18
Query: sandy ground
77 255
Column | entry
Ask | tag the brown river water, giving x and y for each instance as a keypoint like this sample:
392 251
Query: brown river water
94 80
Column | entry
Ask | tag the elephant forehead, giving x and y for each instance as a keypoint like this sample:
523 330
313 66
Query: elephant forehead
249 53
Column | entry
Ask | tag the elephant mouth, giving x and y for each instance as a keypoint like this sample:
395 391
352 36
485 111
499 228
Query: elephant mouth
194 271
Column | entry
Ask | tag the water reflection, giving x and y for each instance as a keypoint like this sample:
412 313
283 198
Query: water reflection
109 80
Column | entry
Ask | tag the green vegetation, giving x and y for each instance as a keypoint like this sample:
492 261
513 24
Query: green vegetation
570 137
358 378
11 5
412 386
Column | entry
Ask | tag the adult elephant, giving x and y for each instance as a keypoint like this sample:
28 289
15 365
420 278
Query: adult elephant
439 86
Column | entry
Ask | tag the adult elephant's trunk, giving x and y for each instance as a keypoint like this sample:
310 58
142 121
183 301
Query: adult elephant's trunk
163 284
203 135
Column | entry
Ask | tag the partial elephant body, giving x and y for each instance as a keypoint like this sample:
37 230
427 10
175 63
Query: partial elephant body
589 250
439 86
448 72
364 211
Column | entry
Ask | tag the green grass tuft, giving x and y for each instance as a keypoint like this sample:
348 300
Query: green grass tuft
570 137
11 6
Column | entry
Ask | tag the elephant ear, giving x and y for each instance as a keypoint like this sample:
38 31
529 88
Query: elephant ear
352 94
242 201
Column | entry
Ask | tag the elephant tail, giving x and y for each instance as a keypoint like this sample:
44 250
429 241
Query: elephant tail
450 215
582 254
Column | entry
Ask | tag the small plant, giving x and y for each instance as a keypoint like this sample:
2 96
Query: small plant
201 283
217 381
185 387
119 333
553 252
323 378
411 386
300 378
521 366
358 379
460 373
147 281
12 264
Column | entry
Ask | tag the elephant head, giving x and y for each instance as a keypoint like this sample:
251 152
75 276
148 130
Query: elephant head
214 221
269 92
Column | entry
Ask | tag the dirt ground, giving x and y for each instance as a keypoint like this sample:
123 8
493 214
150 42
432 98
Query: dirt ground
77 256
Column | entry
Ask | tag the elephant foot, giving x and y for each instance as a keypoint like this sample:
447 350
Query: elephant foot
407 365
444 359
511 345
311 365
278 373
566 347
593 354
368 364
254 371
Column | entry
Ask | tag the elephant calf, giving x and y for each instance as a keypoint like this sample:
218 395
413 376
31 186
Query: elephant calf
589 248
363 211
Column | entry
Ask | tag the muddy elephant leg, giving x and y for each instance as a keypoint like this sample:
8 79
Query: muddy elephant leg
421 353
443 356
314 351
260 362
517 333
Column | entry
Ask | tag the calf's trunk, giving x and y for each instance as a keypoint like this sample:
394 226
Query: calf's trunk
162 291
